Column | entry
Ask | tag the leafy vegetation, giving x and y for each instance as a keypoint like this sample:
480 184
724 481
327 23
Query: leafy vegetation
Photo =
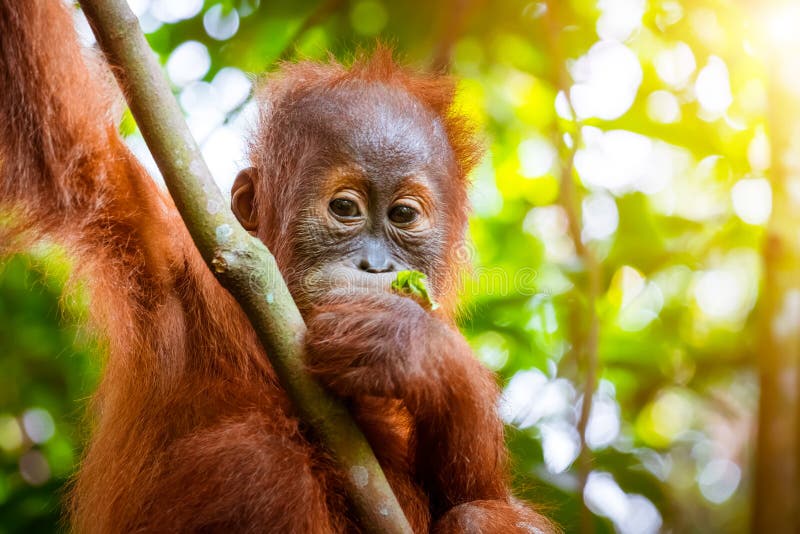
413 284
634 235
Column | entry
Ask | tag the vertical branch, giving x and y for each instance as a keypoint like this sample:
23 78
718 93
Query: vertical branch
587 324
776 496
585 337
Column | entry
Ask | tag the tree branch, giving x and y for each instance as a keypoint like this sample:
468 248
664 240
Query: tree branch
585 342
242 264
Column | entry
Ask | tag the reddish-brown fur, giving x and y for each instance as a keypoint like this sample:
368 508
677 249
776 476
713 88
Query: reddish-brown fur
191 432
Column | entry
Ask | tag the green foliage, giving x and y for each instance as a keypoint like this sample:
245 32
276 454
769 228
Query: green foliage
47 370
413 284
668 193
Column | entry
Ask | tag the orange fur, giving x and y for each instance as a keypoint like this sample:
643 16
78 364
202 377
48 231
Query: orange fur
190 430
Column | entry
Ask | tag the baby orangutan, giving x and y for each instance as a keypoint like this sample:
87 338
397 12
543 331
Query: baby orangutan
356 173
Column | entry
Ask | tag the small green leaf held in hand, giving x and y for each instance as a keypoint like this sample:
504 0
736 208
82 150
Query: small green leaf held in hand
412 284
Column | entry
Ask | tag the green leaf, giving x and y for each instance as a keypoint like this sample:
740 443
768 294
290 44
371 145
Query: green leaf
412 284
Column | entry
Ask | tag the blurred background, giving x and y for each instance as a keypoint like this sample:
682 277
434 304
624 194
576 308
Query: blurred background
636 235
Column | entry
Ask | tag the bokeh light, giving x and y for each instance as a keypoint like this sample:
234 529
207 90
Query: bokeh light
642 180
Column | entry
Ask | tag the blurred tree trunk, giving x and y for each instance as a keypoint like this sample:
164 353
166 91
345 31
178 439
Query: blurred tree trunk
777 445
453 18
584 330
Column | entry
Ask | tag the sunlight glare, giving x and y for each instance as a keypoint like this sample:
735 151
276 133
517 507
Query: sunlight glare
727 292
198 97
663 107
550 225
170 11
600 216
619 18
531 397
718 293
491 349
676 65
752 200
758 151
631 514
604 421
609 160
189 61
224 152
713 88
536 157
641 300
139 7
233 88
607 79
780 24
617 160
670 13
221 26
560 445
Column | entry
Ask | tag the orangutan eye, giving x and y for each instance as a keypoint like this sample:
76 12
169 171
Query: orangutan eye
344 207
402 214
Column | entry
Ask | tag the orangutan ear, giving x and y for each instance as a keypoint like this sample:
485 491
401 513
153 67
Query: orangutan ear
243 199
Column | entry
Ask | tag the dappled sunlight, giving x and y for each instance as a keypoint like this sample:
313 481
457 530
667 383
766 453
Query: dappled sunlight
169 11
675 65
550 225
728 290
713 89
560 444
752 200
188 62
635 233
664 107
607 79
631 514
536 157
719 479
220 25
531 396
639 300
600 216
605 423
